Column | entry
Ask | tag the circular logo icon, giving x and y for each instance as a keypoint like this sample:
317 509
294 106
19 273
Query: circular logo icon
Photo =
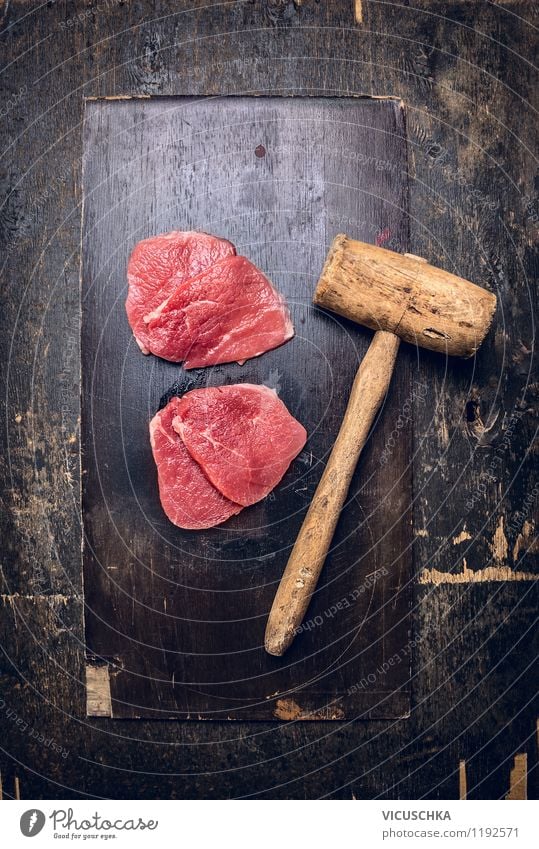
32 822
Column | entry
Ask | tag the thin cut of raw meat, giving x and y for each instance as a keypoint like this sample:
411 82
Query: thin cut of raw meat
188 498
229 312
159 264
242 436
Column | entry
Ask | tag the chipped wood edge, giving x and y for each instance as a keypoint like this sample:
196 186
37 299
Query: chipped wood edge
358 11
473 576
463 783
80 492
518 778
288 710
464 536
60 598
17 789
98 697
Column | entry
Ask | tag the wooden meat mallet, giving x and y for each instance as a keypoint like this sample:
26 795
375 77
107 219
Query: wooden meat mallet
400 297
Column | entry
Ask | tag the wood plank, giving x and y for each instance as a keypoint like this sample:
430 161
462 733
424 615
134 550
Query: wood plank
181 615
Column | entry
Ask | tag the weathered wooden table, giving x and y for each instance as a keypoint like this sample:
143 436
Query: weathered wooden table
464 72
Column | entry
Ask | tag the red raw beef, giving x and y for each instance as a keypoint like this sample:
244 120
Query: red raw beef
242 436
229 312
187 496
160 264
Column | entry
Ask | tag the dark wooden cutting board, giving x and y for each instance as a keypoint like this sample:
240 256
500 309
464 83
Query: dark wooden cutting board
175 619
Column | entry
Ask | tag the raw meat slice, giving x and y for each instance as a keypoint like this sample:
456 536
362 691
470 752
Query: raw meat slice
188 498
229 312
159 264
242 436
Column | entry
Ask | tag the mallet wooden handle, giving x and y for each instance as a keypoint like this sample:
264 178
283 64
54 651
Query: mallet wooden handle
312 545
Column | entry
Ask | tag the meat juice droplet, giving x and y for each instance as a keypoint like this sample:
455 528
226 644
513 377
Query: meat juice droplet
260 151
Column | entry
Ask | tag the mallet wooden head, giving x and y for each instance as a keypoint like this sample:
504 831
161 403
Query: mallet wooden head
400 297
405 295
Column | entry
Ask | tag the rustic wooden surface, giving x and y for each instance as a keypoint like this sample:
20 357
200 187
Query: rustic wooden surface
176 617
464 70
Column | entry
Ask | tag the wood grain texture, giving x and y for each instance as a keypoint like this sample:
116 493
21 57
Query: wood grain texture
425 306
181 615
369 390
463 70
